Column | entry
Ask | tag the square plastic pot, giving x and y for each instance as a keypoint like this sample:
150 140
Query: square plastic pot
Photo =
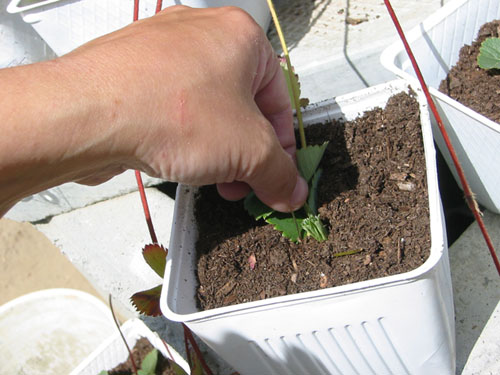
67 24
436 43
112 352
401 324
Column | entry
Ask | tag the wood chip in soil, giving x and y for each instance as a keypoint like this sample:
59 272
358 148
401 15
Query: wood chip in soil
372 198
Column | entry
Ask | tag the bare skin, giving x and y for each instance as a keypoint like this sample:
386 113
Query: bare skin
189 95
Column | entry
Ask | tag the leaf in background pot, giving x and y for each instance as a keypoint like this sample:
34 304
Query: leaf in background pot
156 256
308 159
489 54
148 301
148 365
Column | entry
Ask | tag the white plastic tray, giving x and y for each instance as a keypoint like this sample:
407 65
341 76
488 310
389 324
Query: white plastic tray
436 43
112 352
67 24
401 324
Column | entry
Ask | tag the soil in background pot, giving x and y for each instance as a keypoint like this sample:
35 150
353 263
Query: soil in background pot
467 83
140 350
372 197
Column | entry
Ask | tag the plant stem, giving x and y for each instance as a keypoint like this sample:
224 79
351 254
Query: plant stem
296 98
123 337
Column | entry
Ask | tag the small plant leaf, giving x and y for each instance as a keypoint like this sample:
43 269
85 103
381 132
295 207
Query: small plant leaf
256 208
292 80
148 301
313 193
314 228
287 226
104 373
178 370
149 362
196 366
156 256
489 54
308 159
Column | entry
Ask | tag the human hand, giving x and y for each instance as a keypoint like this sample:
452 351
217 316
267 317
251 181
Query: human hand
189 95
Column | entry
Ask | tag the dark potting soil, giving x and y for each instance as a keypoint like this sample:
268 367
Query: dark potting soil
372 198
474 87
141 349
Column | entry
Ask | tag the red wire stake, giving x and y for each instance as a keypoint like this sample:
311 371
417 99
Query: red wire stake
159 4
469 197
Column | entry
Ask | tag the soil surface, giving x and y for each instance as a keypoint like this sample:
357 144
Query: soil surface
467 83
141 349
372 198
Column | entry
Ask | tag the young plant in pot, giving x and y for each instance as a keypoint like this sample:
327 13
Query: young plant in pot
341 302
436 45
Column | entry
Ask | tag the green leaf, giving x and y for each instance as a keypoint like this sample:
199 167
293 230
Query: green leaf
287 226
313 193
489 54
292 80
156 256
178 370
148 365
103 372
308 159
148 301
256 208
314 228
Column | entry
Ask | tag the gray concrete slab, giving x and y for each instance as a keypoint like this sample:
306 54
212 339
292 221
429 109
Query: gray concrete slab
476 289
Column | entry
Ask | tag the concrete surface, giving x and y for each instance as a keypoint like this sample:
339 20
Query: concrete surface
103 235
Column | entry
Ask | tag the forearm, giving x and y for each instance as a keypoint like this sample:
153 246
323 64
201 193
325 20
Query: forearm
47 119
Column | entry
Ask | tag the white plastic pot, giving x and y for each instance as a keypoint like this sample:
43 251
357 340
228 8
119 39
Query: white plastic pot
67 24
51 331
400 324
112 351
436 43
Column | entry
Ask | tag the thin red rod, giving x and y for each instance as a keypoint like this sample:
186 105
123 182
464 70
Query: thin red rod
145 207
465 185
159 4
136 10
188 336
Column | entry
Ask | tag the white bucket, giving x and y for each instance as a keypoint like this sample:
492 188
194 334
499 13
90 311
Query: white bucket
67 24
400 324
436 43
51 331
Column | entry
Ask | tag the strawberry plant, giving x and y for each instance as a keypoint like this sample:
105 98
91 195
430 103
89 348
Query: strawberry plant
306 221
489 54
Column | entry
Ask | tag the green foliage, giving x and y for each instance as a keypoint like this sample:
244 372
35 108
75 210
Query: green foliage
308 159
489 54
149 362
156 256
292 82
307 221
148 301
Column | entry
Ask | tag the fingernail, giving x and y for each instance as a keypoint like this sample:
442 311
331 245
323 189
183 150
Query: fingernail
299 194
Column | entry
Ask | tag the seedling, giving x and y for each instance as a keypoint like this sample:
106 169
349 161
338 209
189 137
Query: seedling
489 54
306 221
150 361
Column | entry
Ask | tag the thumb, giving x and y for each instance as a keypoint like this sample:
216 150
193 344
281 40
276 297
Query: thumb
277 182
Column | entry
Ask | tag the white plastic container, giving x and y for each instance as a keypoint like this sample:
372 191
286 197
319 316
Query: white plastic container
436 43
401 324
112 352
67 24
51 331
